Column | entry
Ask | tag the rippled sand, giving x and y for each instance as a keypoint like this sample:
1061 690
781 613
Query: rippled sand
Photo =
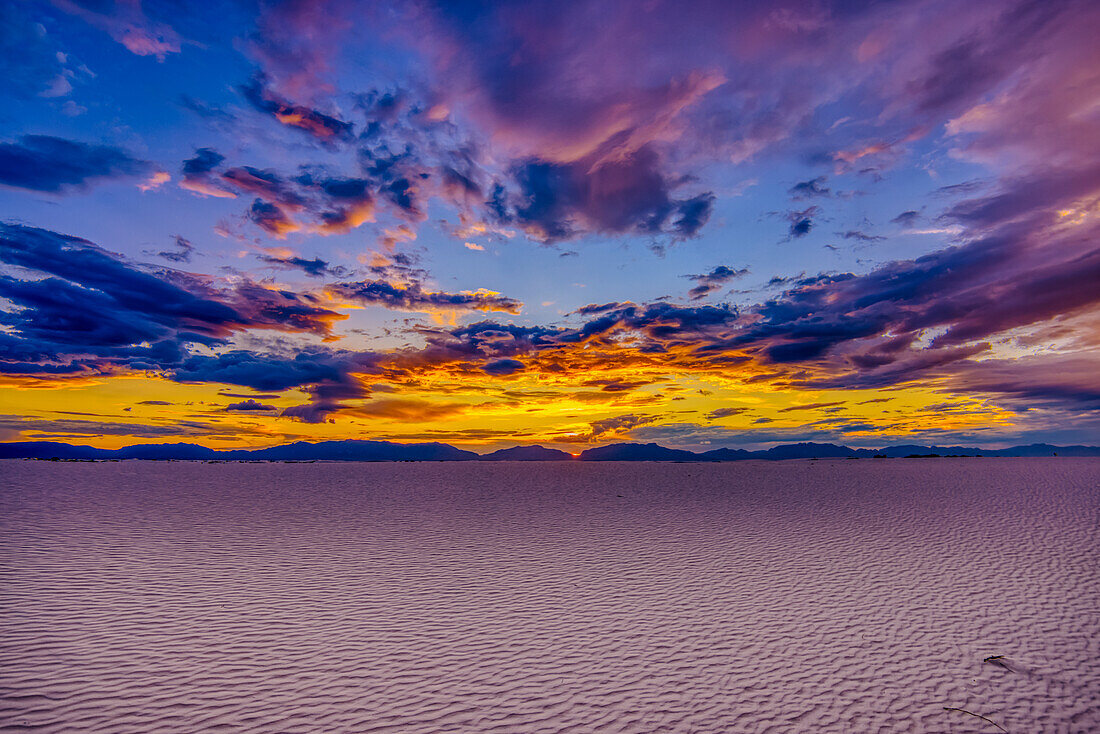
846 596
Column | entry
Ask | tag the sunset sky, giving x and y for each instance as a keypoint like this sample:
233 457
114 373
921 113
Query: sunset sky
700 224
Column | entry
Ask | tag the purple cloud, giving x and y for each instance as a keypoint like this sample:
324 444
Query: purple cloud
57 166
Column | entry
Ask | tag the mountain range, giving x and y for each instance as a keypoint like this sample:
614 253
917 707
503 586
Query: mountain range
354 450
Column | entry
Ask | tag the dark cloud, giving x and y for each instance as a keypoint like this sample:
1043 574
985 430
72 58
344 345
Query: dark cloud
56 165
205 161
801 222
413 297
249 406
809 189
596 308
183 252
271 218
58 428
974 64
205 110
259 371
617 424
560 201
329 395
1023 266
341 204
713 281
500 367
286 204
906 218
197 174
725 413
315 268
810 406
1053 381
322 127
616 385
265 183
855 234
692 214
87 310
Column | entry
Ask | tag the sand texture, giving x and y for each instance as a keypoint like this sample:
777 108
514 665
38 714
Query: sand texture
800 596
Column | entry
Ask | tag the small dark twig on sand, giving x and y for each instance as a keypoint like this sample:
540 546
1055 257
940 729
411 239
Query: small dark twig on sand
983 718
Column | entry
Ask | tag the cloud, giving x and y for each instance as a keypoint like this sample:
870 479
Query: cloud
249 406
322 127
809 189
87 310
838 330
855 234
183 252
713 281
155 181
311 201
832 331
272 219
315 268
295 42
127 23
560 201
598 308
725 413
407 410
197 174
588 137
801 222
906 219
263 183
413 297
810 406
617 425
60 166
346 203
31 64
501 367
79 428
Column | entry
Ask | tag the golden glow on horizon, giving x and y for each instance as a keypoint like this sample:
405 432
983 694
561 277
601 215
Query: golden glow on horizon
483 413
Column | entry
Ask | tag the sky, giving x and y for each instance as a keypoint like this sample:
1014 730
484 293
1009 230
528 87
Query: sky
700 224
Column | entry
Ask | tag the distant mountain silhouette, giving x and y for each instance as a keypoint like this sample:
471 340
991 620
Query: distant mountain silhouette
527 453
637 452
161 451
52 450
807 451
301 451
727 455
358 451
353 450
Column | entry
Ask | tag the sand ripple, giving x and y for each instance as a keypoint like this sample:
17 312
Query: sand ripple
846 596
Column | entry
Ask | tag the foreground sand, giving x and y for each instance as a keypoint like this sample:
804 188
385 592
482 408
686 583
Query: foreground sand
846 596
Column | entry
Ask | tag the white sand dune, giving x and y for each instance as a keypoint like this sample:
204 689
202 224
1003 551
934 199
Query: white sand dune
829 596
